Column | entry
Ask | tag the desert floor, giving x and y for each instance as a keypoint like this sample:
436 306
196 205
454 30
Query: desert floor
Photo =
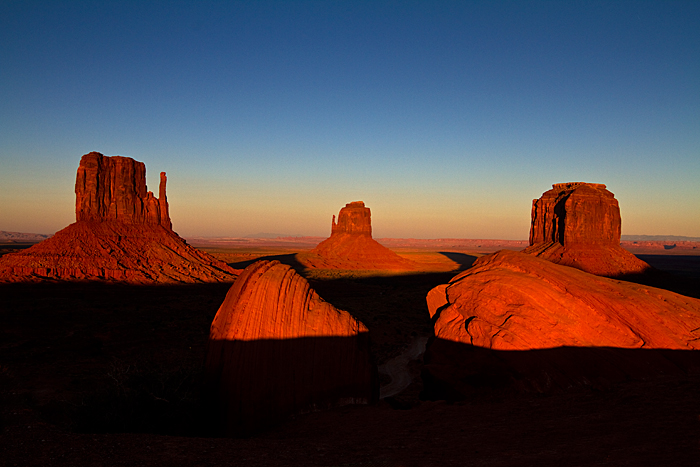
109 374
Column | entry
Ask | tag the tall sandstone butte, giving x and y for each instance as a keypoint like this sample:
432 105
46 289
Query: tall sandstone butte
114 189
351 245
578 224
515 319
276 348
122 232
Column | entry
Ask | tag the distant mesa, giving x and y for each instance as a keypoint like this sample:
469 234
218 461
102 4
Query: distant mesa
351 245
578 224
516 320
276 348
122 233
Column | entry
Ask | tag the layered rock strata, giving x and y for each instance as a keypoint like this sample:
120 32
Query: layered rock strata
578 224
514 319
122 233
276 348
351 245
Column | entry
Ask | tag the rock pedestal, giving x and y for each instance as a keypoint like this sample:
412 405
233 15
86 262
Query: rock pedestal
578 224
276 348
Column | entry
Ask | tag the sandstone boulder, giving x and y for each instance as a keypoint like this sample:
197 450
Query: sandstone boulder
578 224
276 348
518 320
351 245
122 233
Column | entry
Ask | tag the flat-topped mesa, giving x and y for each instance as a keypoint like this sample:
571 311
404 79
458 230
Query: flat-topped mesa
577 212
113 188
578 224
354 218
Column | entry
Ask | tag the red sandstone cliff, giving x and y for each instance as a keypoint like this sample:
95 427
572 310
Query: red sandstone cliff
578 224
122 232
114 189
490 320
351 245
277 348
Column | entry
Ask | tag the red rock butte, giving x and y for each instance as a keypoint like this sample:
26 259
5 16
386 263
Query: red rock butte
516 303
114 189
122 233
351 245
276 348
578 224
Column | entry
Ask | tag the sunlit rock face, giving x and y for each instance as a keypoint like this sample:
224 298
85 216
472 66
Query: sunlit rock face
276 348
122 233
354 218
351 245
578 224
531 323
114 189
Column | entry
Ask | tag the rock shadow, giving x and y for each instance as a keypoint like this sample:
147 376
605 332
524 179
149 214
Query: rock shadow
393 308
465 261
290 259
677 273
456 371
96 357
253 385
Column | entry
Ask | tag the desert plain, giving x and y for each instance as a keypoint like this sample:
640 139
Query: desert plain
97 373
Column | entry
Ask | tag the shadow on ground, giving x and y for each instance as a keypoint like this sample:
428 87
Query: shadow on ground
464 260
677 273
288 259
125 364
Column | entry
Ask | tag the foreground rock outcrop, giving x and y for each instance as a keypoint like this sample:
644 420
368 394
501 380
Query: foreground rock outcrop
351 245
578 224
276 348
122 232
516 320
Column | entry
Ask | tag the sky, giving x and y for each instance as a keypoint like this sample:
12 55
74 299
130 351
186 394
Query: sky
446 118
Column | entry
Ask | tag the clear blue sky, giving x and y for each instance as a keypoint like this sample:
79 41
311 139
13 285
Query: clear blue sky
446 118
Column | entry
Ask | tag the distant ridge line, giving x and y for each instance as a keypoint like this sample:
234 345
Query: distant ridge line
658 238
6 236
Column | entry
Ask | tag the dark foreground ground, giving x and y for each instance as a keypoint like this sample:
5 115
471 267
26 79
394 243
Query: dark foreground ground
98 374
